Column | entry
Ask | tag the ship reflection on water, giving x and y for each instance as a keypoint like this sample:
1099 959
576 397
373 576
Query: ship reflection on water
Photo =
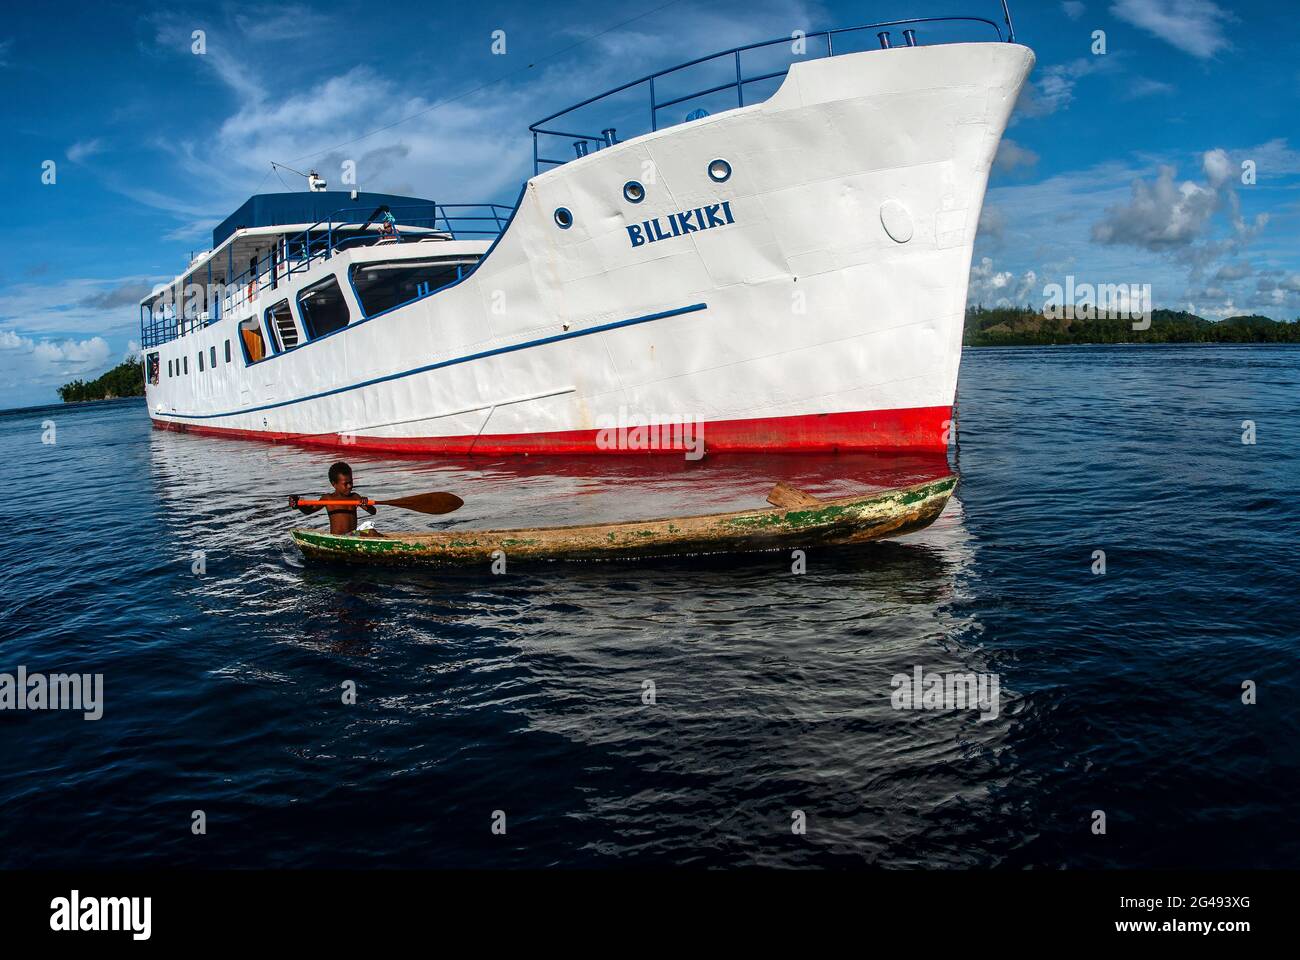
645 678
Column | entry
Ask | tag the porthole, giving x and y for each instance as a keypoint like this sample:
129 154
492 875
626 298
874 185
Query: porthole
633 192
563 218
719 171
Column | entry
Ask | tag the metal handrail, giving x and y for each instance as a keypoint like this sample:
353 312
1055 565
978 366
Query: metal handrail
584 142
298 252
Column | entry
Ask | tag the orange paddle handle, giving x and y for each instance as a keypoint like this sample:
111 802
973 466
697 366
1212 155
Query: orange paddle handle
335 503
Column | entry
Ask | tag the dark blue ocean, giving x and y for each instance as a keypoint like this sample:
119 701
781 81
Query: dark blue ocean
522 693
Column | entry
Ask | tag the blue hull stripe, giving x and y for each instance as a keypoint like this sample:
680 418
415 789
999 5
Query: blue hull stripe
527 345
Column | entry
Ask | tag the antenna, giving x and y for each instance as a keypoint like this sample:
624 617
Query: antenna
314 182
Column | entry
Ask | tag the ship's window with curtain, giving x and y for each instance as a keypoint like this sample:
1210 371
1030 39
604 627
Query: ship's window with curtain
250 336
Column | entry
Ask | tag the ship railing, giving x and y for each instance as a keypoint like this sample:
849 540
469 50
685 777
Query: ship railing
296 253
803 46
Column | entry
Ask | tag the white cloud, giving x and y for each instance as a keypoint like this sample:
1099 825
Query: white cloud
30 369
992 224
1233 271
1159 216
1217 166
148 197
126 294
1011 155
1002 288
1164 216
1073 9
1146 87
473 141
278 24
1200 306
1054 89
1274 158
200 230
229 60
74 356
75 306
84 149
1193 26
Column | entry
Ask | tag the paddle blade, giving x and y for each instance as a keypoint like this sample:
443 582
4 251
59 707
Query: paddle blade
427 503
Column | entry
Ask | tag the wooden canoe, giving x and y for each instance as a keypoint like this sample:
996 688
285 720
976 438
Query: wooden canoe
808 523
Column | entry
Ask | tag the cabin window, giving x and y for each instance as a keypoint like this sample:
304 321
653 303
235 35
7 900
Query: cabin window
227 351
212 356
185 362
169 369
200 361
279 321
382 286
323 309
152 367
250 336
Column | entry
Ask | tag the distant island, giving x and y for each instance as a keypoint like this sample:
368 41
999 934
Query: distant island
1024 326
124 380
985 327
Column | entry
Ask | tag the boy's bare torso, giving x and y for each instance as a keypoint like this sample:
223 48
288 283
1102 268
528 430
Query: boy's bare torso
342 519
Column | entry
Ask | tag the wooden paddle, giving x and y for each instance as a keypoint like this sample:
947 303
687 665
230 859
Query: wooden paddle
420 503
791 498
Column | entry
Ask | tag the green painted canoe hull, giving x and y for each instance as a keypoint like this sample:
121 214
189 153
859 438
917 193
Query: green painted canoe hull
846 520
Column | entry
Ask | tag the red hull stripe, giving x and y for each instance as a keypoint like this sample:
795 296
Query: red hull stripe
915 429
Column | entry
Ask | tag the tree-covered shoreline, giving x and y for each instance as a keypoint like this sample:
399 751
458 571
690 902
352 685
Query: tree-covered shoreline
1024 326
124 380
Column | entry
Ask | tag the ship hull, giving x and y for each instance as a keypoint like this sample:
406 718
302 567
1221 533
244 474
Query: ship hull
921 430
811 301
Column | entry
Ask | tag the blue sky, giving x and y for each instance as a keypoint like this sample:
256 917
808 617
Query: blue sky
1118 168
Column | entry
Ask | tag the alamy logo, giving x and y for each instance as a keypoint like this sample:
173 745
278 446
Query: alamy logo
58 691
946 691
650 432
75 913
680 224
1102 301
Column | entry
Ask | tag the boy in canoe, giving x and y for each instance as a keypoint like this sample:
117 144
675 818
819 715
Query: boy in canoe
342 519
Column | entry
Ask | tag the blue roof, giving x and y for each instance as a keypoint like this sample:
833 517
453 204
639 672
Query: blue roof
277 209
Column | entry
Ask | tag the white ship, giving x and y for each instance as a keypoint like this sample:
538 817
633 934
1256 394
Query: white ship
781 274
